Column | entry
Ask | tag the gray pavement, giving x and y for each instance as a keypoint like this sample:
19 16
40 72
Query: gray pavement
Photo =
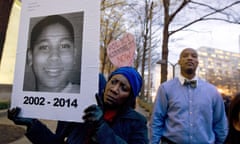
23 140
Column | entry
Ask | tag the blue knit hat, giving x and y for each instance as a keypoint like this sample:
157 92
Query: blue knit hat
133 77
101 83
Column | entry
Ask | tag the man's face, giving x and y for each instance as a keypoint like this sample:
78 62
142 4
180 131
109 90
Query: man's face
117 91
52 57
188 61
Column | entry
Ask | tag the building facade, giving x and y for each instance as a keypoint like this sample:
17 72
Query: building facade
221 68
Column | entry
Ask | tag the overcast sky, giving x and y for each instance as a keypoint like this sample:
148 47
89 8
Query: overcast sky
219 35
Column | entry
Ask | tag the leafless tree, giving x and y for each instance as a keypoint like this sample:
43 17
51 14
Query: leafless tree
191 12
112 27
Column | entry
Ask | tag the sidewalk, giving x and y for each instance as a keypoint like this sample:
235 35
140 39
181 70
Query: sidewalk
142 111
23 139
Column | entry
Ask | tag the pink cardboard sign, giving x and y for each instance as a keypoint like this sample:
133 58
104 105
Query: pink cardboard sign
121 52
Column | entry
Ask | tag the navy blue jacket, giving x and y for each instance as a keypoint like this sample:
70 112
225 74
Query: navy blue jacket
129 127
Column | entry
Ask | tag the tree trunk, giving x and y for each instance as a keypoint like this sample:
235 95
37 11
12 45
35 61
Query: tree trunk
164 67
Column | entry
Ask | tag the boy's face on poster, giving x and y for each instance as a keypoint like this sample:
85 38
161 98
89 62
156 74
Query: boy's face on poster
52 56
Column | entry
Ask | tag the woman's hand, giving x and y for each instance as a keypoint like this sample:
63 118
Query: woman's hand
13 114
93 115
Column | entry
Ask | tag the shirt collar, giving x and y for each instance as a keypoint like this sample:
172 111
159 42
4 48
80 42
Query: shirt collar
182 79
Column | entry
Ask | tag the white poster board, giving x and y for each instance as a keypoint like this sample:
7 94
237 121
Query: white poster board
57 60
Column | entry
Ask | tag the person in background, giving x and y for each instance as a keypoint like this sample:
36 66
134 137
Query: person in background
52 55
112 121
188 109
226 100
234 121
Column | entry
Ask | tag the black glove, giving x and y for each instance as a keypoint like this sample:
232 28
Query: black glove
13 115
93 115
99 100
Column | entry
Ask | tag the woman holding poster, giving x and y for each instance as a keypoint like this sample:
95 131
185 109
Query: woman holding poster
112 121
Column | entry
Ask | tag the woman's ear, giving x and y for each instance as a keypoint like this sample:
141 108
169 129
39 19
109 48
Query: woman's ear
29 57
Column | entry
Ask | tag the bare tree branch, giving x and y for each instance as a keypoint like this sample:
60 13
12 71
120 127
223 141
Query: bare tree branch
205 17
182 5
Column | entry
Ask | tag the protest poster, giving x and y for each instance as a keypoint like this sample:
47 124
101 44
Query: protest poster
57 60
121 52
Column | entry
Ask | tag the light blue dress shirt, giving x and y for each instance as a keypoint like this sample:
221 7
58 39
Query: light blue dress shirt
187 115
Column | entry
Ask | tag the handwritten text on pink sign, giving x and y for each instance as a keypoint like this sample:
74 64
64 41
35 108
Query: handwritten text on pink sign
121 52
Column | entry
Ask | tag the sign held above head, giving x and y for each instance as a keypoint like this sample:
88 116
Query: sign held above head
121 52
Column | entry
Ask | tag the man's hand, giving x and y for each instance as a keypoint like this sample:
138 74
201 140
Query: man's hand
93 114
13 115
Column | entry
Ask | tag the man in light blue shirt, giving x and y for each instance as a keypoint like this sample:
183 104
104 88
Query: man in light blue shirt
188 112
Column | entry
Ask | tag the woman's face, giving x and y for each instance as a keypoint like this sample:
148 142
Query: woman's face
117 91
52 57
